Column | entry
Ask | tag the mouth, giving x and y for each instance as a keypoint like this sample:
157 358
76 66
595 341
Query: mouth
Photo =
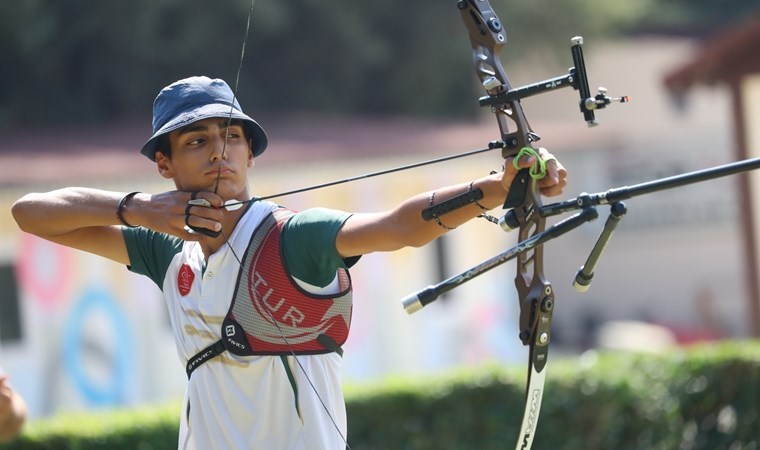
220 171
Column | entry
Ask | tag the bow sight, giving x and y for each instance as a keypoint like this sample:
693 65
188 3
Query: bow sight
575 78
484 28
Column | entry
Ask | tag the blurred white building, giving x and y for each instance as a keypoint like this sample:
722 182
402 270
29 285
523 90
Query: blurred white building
80 332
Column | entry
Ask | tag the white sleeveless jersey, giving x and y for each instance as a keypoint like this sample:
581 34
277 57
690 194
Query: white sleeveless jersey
235 403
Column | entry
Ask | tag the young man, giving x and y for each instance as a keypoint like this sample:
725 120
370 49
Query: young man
12 410
265 370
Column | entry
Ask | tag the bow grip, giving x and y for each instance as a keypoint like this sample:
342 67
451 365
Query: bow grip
518 189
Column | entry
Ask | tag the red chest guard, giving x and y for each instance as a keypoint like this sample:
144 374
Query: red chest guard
271 315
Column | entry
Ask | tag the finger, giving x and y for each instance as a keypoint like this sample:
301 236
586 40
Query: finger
555 172
199 202
555 169
202 217
525 162
204 212
510 171
550 163
204 198
555 180
554 189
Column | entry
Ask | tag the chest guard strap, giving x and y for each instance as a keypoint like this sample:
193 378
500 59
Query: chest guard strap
270 314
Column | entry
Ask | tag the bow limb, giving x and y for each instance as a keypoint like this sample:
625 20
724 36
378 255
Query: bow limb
488 37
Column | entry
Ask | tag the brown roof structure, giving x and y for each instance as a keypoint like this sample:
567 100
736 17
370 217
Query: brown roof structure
727 58
724 58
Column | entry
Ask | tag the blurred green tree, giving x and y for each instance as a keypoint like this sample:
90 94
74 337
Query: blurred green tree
88 61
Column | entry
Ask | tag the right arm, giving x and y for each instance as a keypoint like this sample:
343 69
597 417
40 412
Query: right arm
85 218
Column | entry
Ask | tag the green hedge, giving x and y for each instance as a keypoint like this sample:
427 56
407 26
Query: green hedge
706 397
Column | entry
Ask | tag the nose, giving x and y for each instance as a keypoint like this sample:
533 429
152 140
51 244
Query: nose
218 149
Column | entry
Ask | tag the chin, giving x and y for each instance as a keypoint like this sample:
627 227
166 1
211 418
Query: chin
229 192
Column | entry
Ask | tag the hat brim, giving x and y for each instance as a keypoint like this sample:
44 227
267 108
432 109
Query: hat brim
252 128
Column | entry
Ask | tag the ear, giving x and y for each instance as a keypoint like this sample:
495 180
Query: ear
250 153
164 165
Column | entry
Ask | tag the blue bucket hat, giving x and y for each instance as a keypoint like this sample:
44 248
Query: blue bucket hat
196 98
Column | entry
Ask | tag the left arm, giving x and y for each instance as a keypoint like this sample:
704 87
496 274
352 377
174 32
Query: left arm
12 411
403 226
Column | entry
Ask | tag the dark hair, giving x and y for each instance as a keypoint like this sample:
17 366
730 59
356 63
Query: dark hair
165 145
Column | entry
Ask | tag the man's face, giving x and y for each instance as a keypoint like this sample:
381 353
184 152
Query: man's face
200 158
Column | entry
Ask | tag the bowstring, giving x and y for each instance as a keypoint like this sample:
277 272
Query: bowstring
491 146
229 245
234 95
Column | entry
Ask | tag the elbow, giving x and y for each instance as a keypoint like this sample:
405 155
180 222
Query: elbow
415 236
23 213
19 212
417 240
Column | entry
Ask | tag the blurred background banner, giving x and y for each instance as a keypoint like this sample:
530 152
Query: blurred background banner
346 88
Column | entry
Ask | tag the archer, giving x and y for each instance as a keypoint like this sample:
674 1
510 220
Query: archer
259 297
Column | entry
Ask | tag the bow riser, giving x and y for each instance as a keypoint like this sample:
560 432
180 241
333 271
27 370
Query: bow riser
488 37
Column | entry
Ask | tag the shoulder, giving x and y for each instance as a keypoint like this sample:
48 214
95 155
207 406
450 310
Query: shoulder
151 252
140 237
316 220
308 245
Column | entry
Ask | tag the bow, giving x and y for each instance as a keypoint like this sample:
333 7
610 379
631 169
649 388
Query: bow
535 294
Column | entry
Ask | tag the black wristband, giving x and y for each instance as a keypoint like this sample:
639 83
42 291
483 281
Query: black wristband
119 209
